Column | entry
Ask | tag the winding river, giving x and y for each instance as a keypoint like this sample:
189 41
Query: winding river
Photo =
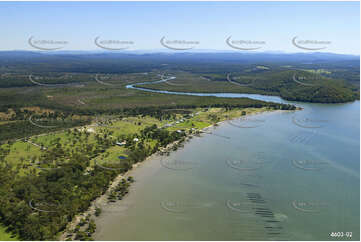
226 95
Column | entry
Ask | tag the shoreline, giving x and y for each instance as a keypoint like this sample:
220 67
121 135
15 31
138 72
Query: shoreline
101 201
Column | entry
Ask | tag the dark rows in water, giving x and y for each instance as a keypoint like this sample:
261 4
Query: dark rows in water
249 184
272 224
244 126
218 135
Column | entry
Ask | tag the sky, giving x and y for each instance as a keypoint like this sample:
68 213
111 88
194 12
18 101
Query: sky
270 26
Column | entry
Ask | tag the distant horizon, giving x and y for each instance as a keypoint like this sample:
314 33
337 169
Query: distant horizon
161 51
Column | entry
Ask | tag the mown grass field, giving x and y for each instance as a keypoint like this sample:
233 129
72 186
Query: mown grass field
22 152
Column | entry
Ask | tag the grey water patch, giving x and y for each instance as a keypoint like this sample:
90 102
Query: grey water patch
178 165
302 137
44 206
247 230
251 182
308 206
310 44
263 157
310 165
47 45
244 44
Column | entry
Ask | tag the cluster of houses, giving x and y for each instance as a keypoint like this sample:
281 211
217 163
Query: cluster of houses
125 142
164 126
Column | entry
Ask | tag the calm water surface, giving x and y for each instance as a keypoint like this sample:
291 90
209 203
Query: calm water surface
280 175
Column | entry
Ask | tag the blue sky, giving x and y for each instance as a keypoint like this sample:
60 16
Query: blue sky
209 23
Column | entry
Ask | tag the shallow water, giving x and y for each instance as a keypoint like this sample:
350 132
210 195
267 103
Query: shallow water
280 175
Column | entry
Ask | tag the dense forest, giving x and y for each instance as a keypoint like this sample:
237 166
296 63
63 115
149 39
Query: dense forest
273 72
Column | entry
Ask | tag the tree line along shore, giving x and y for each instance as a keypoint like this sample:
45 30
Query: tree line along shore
51 177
